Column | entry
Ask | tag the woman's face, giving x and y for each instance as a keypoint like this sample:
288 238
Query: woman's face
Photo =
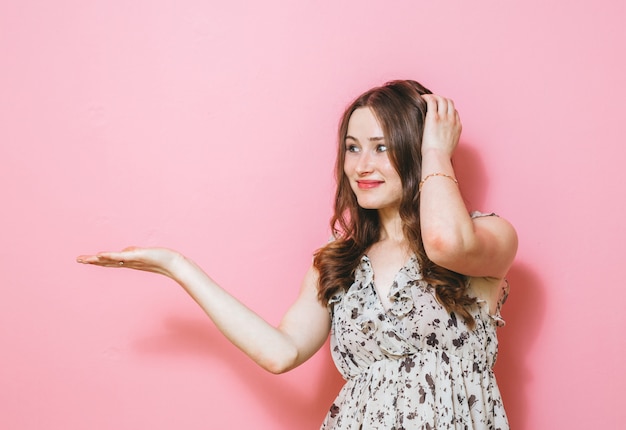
367 166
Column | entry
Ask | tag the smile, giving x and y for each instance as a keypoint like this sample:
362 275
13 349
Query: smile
368 184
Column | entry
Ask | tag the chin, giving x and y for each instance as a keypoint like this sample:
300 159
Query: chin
368 205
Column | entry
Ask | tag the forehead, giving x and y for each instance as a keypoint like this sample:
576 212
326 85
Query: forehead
364 124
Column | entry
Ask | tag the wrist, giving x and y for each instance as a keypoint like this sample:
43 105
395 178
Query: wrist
176 265
435 152
436 160
436 174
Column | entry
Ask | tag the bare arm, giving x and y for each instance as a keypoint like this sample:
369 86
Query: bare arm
302 331
481 247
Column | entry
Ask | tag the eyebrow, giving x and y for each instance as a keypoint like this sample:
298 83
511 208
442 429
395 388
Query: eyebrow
371 139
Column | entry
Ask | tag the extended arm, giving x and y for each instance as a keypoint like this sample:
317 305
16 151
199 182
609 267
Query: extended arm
302 331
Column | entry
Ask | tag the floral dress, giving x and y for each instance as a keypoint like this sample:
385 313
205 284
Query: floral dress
414 365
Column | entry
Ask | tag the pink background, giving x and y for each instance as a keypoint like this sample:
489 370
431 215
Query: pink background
210 128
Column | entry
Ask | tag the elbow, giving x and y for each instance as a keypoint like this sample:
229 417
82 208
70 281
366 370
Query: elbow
277 368
441 249
281 363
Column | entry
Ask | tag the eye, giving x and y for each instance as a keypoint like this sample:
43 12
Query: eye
381 148
351 148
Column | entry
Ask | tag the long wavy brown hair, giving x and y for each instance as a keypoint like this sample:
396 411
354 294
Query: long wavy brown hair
400 110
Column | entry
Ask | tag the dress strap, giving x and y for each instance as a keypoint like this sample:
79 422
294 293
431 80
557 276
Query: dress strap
478 214
504 294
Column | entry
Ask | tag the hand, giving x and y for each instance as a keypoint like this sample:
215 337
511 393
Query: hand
442 127
156 260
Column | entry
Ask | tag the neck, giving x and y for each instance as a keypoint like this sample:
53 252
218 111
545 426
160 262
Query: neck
390 225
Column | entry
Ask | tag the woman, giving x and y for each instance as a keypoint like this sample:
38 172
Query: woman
410 288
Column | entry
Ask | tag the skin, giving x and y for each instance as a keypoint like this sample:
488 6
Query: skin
482 248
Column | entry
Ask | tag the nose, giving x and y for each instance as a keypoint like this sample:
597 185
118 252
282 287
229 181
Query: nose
365 164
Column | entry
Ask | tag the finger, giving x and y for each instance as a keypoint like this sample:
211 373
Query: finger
108 259
96 261
431 103
442 106
451 108
86 259
125 254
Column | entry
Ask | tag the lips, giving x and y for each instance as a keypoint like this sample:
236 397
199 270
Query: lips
368 184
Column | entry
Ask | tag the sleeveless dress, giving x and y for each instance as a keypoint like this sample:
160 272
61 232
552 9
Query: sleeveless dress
413 366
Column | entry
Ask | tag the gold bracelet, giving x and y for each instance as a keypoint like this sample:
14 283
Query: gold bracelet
436 174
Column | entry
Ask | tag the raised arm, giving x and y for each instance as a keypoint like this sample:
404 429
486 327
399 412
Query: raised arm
302 331
480 247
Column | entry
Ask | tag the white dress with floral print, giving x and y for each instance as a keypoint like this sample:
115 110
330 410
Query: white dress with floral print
414 365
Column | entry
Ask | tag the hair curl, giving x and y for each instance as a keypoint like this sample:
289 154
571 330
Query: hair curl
400 110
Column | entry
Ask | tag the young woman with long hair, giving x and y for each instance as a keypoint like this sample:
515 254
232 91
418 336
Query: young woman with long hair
409 288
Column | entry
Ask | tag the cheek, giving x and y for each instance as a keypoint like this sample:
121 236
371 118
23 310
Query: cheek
346 174
389 170
394 177
387 165
348 166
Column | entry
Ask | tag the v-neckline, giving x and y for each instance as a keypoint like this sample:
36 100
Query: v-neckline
394 283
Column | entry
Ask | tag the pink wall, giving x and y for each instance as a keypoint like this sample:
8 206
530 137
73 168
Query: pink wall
210 128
